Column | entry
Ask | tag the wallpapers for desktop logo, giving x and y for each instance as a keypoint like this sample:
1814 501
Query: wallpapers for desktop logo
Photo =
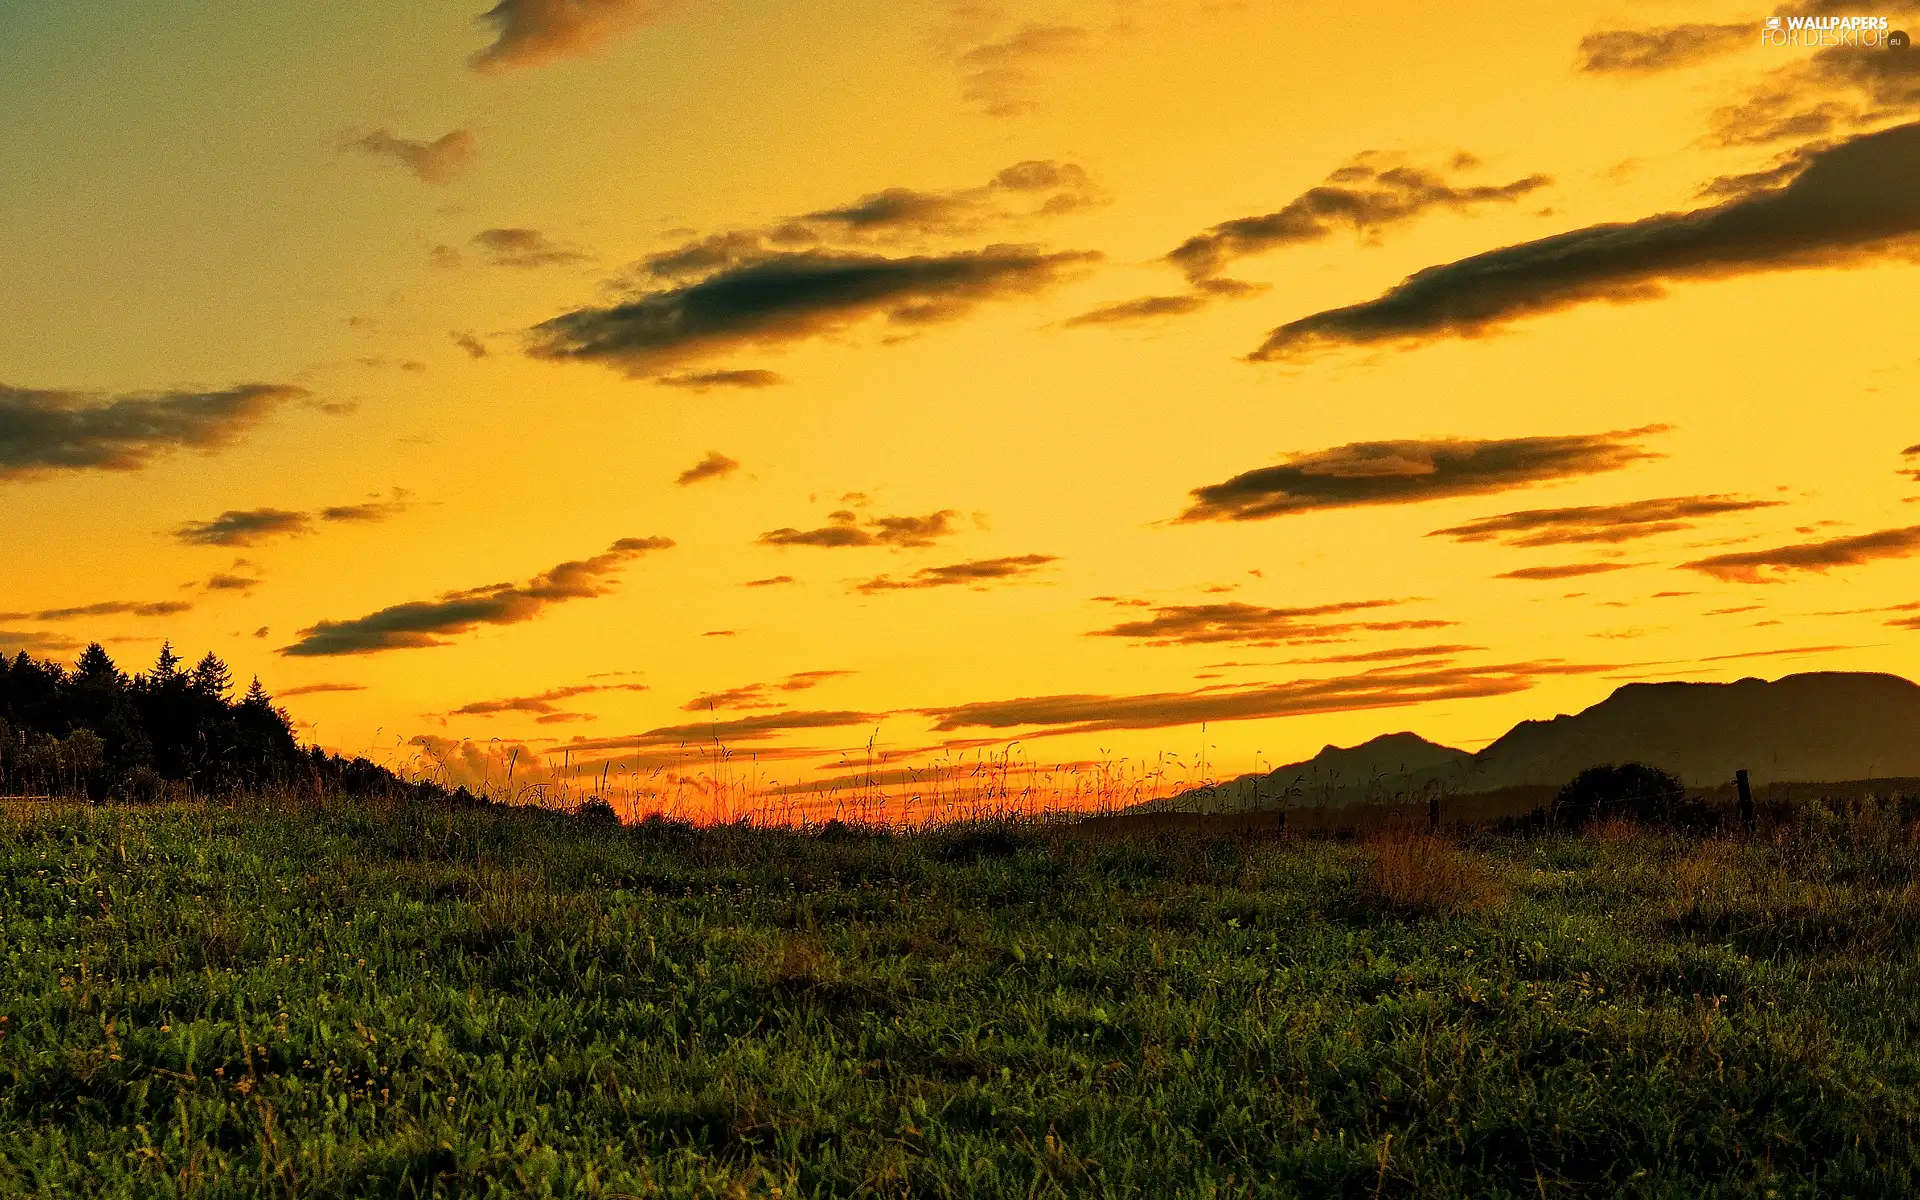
1820 32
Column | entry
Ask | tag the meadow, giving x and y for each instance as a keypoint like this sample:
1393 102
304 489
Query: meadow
346 997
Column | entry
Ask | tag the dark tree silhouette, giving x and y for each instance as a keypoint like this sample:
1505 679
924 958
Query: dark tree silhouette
95 731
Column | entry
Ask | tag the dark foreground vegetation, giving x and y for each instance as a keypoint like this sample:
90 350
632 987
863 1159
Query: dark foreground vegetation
169 732
345 998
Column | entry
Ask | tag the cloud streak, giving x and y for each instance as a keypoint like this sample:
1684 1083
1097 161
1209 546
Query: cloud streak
1408 472
44 432
1368 195
104 608
1771 566
786 298
1604 523
976 574
423 623
844 530
1253 625
246 526
1853 203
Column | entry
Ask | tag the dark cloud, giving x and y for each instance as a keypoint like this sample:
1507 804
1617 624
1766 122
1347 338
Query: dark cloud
1914 473
474 347
844 529
791 297
965 574
224 582
1565 571
1251 624
244 527
524 248
999 77
775 581
1769 566
1643 51
439 162
714 466
46 431
1854 202
317 689
700 381
546 704
1386 688
760 695
1599 523
528 33
1368 195
1408 472
430 622
104 608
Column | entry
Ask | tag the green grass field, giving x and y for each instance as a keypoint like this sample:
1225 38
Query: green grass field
345 999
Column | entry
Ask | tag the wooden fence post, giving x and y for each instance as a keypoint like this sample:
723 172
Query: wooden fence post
1746 799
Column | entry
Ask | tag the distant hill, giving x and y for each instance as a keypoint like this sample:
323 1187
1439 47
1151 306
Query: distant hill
1819 727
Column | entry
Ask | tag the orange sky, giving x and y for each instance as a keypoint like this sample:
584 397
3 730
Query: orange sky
633 374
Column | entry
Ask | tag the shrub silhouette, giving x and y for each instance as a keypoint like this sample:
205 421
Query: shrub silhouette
1631 791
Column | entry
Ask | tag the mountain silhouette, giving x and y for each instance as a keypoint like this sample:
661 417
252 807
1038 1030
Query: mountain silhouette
1819 727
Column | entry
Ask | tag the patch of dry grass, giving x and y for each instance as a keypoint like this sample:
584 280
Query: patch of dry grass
1422 873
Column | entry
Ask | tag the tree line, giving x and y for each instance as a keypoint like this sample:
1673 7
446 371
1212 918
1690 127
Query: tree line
93 730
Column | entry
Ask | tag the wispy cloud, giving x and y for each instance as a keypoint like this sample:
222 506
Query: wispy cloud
714 466
1772 565
1566 571
431 622
1605 523
1000 78
1369 195
528 33
441 162
104 608
1412 471
844 530
977 573
1253 625
761 695
1853 203
700 381
774 581
1662 47
545 706
244 527
525 249
320 689
43 432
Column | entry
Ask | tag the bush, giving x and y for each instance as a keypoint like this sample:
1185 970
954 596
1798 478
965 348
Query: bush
1631 791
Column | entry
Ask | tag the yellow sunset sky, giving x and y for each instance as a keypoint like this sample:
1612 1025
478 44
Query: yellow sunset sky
378 348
